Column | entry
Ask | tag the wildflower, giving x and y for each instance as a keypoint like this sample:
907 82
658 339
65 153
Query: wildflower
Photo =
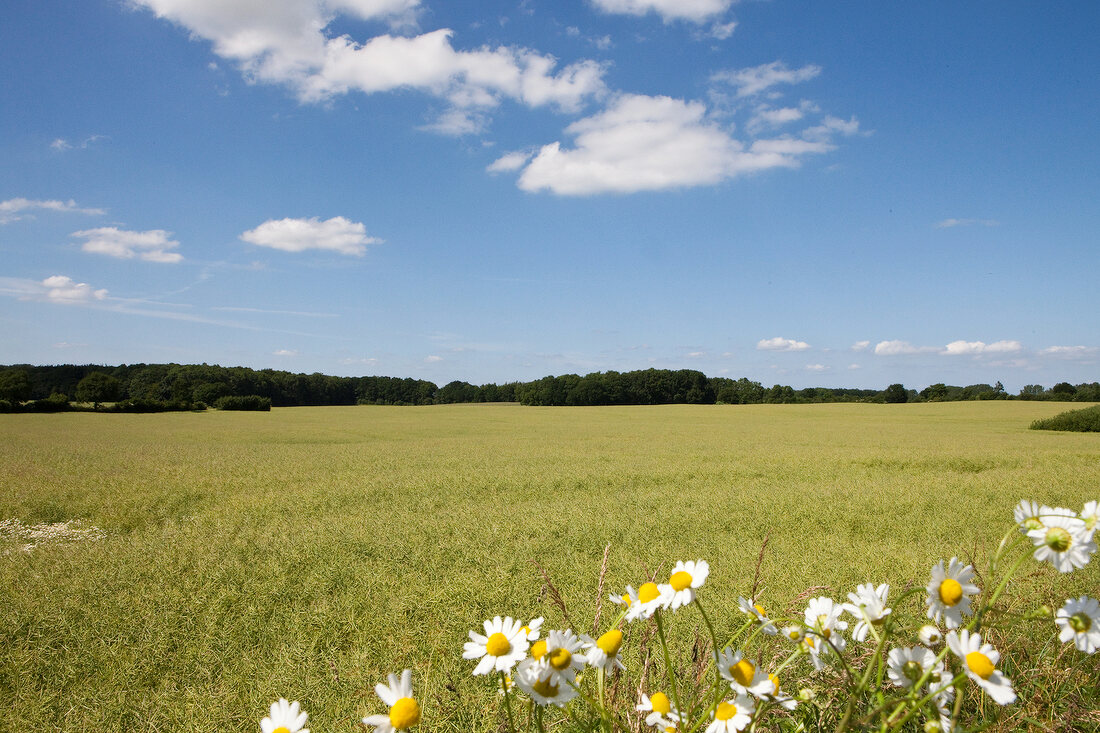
531 629
1027 515
404 710
794 633
649 599
1080 621
906 666
776 694
1063 540
980 661
744 676
628 598
284 718
732 716
757 610
823 617
949 592
542 688
685 578
507 685
502 646
604 651
1090 515
661 712
868 604
929 635
560 658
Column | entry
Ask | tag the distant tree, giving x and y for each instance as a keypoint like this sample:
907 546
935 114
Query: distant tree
1063 391
15 385
98 387
1032 392
895 393
934 392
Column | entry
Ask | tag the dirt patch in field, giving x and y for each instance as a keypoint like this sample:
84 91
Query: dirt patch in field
26 537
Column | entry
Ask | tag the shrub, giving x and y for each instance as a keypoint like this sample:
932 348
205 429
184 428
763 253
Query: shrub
245 402
1081 421
143 405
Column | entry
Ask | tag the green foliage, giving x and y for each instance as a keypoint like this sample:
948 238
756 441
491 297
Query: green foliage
15 385
895 393
1080 421
98 387
253 402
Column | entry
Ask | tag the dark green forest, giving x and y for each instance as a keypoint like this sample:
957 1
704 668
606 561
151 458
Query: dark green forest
148 387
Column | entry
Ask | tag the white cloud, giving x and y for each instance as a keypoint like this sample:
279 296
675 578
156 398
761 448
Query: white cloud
961 348
63 289
781 344
949 223
643 143
816 368
756 79
722 31
298 235
696 354
860 345
895 348
151 246
284 352
1070 352
61 144
11 210
510 162
765 116
433 359
696 11
286 42
853 367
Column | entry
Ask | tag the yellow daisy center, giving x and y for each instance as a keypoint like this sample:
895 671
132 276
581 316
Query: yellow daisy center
680 580
760 610
610 642
498 645
743 672
648 592
281 729
670 729
626 599
725 711
1032 523
951 592
405 713
825 630
660 704
980 665
795 634
544 688
538 649
560 658
1058 539
526 630
775 683
1080 622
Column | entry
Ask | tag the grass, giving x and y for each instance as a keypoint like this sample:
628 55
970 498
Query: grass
306 552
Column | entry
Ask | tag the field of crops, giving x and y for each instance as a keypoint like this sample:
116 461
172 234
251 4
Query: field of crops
212 562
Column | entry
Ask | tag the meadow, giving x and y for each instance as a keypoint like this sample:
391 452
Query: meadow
232 558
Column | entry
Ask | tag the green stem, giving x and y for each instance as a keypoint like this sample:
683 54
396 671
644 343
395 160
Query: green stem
717 672
668 662
507 702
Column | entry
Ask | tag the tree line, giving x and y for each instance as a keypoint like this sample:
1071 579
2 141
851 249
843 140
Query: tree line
190 386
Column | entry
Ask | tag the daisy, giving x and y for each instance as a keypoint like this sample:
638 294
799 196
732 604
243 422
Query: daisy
868 604
732 716
1090 515
541 688
1027 514
823 617
560 658
532 628
906 666
949 592
284 718
661 713
649 599
504 644
1080 620
1063 541
755 609
744 676
604 652
685 578
980 661
627 599
794 633
404 710
929 635
775 694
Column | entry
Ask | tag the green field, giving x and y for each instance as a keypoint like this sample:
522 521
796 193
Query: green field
306 552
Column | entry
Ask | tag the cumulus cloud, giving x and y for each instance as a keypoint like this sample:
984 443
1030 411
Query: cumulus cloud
816 368
894 348
63 289
433 359
298 235
781 344
753 80
860 345
151 246
644 143
510 162
949 223
12 209
722 31
1070 352
766 116
696 11
284 352
287 42
961 348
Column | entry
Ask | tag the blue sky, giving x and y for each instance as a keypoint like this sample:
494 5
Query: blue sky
833 194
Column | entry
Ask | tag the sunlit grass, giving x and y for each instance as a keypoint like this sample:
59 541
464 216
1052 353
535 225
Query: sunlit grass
307 552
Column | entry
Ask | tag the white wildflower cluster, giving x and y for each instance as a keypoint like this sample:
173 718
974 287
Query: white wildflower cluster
928 668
